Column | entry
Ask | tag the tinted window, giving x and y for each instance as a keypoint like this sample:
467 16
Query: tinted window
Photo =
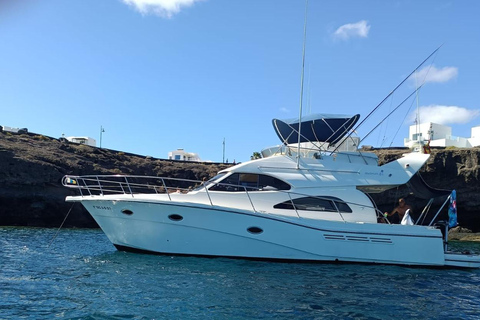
329 204
250 182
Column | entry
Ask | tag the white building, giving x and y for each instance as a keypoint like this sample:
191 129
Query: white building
439 136
475 136
13 130
83 140
180 154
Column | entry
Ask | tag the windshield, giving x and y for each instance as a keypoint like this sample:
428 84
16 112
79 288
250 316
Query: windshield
209 182
238 182
217 177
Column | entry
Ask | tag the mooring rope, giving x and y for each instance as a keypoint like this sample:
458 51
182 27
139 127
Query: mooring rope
56 234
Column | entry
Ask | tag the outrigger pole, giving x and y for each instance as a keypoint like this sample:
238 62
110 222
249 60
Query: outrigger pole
393 91
390 113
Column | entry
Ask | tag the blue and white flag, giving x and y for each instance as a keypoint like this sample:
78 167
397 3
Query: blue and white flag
452 210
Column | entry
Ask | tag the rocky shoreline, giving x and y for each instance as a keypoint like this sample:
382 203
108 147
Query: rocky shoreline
32 166
458 236
463 234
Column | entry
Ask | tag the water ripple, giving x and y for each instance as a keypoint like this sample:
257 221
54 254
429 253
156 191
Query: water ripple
82 276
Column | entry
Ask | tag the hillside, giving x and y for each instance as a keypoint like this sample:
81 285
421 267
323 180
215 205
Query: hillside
32 166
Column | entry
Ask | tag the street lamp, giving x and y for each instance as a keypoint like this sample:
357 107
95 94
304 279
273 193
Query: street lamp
102 130
223 160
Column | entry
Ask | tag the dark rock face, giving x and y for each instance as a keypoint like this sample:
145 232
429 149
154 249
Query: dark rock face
451 169
32 166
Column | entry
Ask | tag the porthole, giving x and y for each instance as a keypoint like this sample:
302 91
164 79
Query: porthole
127 212
255 230
175 217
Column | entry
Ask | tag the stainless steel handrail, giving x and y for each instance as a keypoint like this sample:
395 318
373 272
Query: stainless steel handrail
108 184
338 210
125 184
293 204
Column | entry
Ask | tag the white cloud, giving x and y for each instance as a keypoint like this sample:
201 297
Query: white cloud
445 114
162 8
285 110
359 29
432 74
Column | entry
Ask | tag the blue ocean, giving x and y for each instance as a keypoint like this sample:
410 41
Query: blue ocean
78 274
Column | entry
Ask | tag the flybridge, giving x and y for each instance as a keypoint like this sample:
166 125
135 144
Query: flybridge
328 128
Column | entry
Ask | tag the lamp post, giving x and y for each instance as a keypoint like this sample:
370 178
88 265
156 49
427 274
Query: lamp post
223 161
102 130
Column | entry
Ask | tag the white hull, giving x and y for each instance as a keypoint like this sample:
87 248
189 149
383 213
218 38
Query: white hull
218 231
268 209
461 260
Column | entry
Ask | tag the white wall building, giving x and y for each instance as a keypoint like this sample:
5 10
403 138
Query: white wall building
439 136
180 154
83 140
13 130
475 136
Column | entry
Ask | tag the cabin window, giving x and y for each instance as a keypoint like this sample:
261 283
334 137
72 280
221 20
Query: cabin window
325 203
250 182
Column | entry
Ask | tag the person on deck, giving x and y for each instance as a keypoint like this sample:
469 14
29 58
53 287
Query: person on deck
401 209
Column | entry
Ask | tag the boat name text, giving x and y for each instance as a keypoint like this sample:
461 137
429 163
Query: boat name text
375 173
102 207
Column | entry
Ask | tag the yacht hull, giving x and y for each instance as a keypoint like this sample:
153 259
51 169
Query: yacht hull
179 228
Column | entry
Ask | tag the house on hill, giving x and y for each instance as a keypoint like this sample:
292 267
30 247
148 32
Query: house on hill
182 155
83 140
439 136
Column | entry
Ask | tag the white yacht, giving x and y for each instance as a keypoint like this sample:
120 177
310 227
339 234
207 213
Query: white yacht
314 207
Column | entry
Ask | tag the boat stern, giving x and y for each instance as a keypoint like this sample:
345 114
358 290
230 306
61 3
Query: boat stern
462 260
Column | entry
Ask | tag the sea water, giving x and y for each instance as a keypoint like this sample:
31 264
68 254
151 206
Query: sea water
78 274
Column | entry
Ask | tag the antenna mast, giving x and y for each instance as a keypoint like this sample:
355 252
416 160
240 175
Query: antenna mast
301 85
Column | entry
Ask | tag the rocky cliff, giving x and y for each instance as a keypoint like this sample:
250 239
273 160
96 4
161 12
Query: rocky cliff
450 169
32 166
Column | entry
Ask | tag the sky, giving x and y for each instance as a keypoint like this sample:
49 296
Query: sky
209 76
